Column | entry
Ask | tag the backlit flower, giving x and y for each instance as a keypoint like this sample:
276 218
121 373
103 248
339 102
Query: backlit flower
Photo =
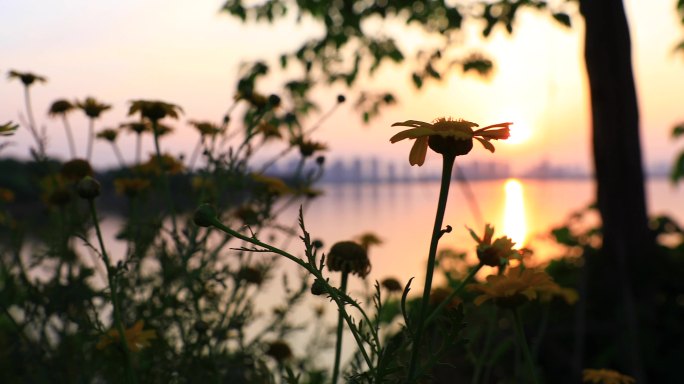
367 239
206 128
514 288
459 135
169 164
495 253
137 127
605 376
348 257
136 338
131 187
272 185
27 78
92 108
60 107
154 109
108 135
308 147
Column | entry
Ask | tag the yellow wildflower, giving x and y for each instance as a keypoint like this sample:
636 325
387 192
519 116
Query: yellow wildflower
169 164
495 253
367 239
206 128
60 107
92 108
308 147
136 338
273 185
27 78
131 187
459 132
154 109
515 287
108 134
605 376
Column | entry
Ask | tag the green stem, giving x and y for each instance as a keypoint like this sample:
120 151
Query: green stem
164 179
118 155
114 294
522 344
70 136
485 349
340 326
453 294
447 167
311 269
91 138
32 124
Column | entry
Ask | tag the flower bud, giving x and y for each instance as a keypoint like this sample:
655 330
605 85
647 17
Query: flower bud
88 188
205 215
318 287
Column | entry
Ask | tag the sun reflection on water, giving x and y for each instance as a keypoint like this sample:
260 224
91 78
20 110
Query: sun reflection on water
514 220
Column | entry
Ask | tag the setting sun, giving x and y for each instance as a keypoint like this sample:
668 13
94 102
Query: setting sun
520 133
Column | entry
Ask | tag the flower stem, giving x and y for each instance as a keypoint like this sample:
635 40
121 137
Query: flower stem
447 167
70 136
40 141
453 294
164 178
312 270
340 326
91 138
118 323
522 344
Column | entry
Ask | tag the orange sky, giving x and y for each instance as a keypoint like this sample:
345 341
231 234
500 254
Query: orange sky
186 53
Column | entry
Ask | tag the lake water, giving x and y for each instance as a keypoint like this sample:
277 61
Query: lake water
402 215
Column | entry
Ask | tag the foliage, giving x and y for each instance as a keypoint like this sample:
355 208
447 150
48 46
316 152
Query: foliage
352 44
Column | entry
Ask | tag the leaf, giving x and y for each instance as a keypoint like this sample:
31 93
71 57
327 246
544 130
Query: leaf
417 80
678 131
404 295
678 169
479 64
563 18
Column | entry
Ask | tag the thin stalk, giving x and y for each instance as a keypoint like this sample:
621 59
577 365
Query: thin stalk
311 269
522 343
485 349
453 294
138 148
114 294
195 153
164 179
70 136
447 167
32 123
118 155
91 138
340 326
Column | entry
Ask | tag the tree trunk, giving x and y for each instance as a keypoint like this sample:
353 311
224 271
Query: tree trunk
621 197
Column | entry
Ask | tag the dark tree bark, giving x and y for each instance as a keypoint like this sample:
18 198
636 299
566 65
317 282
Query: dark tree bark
621 198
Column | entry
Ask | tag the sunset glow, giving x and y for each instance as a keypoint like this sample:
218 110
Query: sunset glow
514 220
520 133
